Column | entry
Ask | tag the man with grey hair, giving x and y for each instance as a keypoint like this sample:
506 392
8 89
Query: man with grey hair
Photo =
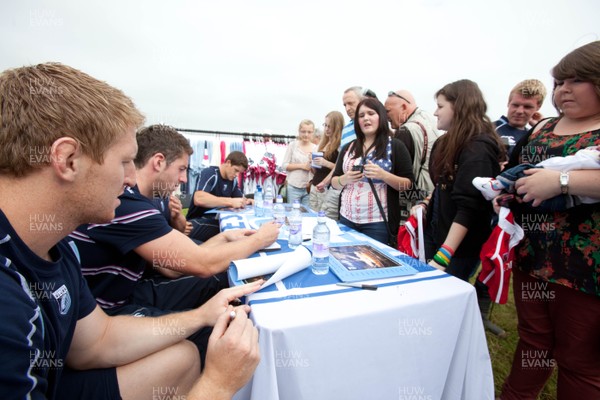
352 96
317 136
416 128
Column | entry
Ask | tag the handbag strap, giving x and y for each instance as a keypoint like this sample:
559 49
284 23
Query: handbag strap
380 206
425 147
375 192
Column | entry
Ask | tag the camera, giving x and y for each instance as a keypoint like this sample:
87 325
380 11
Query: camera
358 168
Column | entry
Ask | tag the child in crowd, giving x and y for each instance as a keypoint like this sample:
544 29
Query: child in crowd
297 163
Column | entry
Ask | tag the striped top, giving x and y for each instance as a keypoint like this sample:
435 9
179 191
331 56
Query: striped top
348 133
108 260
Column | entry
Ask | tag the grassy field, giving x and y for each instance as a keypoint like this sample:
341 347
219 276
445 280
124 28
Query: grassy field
502 350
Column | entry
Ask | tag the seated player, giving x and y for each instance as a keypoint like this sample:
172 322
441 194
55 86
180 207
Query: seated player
216 187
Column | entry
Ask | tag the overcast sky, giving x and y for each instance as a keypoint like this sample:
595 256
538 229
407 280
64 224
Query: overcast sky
264 65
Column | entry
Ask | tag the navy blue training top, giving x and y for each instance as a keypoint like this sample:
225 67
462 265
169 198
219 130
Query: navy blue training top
41 303
509 132
212 182
108 261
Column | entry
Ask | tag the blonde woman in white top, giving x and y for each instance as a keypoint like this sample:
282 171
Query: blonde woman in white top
297 163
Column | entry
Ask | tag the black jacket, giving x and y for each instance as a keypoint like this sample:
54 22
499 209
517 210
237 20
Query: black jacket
455 199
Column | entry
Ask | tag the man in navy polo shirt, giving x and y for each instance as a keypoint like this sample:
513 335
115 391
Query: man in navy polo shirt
138 264
524 102
67 144
217 187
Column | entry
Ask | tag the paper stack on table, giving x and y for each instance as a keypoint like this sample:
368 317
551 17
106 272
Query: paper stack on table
280 265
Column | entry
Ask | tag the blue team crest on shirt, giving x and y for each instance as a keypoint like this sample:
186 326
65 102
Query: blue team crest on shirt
63 299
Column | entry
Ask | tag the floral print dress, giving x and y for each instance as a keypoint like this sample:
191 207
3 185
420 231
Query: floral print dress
560 247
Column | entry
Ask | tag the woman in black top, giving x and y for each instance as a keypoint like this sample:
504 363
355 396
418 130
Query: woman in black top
458 217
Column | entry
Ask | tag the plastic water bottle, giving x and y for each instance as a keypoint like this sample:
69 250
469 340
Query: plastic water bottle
268 201
295 226
279 217
320 244
279 211
259 210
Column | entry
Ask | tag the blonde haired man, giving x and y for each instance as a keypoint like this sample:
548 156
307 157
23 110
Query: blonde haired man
524 102
67 145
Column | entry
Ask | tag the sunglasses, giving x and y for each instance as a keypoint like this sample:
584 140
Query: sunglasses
392 93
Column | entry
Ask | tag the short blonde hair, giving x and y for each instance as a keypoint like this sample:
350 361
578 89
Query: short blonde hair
42 103
306 122
530 88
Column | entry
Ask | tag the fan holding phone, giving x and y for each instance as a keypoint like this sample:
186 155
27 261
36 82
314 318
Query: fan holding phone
372 170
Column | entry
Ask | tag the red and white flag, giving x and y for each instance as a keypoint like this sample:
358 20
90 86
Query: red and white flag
497 255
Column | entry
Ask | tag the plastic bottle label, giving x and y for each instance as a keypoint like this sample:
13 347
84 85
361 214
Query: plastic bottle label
295 228
320 250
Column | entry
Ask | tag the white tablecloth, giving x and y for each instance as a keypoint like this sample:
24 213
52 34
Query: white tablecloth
418 340
417 337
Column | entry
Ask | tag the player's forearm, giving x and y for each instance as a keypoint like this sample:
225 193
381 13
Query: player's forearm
169 273
207 200
215 259
127 338
207 390
179 222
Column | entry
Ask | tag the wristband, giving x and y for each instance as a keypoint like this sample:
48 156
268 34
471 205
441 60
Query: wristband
439 258
444 255
448 248
340 181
